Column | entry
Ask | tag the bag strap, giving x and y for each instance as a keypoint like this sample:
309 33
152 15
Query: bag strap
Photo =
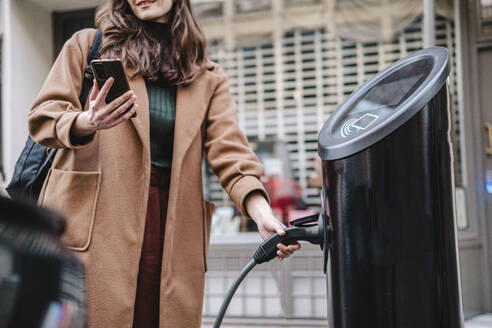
88 74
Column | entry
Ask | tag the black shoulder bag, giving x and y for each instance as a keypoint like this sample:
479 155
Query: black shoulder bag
34 162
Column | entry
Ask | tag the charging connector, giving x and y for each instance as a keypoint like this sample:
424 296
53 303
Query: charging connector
268 249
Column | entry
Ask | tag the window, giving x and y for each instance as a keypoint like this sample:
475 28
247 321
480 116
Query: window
301 3
244 7
209 9
485 17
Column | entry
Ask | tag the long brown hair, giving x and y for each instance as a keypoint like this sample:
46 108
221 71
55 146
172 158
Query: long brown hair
177 60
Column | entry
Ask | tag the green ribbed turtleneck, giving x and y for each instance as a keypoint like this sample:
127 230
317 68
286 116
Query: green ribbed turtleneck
162 107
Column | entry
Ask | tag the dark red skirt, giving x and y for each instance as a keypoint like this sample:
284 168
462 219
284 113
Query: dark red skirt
149 277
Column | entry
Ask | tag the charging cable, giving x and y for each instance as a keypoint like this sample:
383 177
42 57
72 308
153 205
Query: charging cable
268 251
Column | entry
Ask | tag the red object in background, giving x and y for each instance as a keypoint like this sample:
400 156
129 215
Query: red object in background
296 214
285 195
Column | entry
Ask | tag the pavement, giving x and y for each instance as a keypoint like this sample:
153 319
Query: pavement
481 321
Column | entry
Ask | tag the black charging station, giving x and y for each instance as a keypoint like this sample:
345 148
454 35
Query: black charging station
387 226
389 199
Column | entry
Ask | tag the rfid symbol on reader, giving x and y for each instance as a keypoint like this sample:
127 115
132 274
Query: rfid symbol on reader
357 124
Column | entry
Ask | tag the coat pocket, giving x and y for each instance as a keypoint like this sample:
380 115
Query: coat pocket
73 194
208 211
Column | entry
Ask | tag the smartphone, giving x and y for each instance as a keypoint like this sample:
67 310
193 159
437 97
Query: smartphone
103 69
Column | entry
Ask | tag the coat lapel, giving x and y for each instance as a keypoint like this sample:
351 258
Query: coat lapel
191 106
141 122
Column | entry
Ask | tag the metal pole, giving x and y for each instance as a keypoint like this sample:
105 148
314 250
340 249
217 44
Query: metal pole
429 23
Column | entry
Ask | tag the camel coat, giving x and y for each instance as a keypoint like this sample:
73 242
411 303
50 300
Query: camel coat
101 185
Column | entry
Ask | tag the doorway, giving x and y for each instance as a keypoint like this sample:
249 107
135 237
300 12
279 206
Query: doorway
66 23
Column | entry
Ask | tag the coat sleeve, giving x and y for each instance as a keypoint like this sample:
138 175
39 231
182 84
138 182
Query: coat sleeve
227 149
57 106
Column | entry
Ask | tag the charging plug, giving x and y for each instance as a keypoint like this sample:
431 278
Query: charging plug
268 249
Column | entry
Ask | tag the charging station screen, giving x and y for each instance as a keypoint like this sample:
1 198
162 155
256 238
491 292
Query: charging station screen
382 99
394 89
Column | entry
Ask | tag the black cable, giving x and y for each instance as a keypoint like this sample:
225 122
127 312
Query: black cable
231 292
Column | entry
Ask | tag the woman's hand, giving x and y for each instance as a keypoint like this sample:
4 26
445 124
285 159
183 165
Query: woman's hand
100 115
260 211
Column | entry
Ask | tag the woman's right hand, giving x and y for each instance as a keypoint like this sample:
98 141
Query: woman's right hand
102 116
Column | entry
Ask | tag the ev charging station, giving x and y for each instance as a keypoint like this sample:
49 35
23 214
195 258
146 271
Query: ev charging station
388 192
387 226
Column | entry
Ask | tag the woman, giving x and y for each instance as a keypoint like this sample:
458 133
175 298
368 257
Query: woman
131 188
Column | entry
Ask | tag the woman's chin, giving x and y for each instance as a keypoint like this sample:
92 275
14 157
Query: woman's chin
152 17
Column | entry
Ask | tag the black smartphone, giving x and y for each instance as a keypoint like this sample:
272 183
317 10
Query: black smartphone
103 69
